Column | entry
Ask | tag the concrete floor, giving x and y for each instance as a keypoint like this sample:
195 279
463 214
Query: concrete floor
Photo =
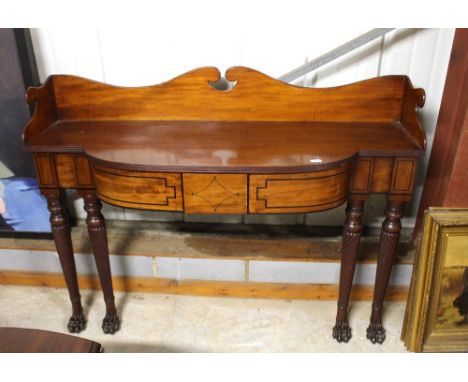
168 323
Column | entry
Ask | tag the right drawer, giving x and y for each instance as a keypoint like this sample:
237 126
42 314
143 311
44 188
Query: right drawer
304 192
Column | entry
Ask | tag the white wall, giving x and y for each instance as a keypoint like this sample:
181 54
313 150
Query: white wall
132 57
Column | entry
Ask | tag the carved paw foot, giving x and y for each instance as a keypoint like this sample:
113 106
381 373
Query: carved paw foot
76 323
376 333
110 324
342 332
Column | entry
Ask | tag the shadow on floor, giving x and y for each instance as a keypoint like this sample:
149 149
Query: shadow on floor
146 348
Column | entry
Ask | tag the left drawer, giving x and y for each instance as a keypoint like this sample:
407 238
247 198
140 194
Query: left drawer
139 189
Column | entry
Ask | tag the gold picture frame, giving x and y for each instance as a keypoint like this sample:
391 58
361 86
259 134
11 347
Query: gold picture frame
436 317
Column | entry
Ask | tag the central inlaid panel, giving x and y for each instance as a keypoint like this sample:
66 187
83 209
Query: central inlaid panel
215 193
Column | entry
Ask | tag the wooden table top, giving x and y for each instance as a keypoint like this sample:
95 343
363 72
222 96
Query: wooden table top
17 340
217 146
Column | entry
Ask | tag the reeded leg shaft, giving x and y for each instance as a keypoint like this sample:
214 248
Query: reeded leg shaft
388 242
62 237
98 237
349 252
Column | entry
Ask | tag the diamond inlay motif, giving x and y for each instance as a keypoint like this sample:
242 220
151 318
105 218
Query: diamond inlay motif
215 194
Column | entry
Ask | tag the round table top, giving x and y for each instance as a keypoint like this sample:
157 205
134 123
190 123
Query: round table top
19 340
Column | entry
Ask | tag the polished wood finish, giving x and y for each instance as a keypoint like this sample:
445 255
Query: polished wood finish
382 169
144 190
255 97
19 340
349 255
224 146
65 165
316 191
72 171
62 237
45 170
98 237
389 239
362 175
63 171
215 193
262 146
446 182
403 176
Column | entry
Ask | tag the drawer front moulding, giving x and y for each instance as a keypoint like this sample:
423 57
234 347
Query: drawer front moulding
307 192
141 190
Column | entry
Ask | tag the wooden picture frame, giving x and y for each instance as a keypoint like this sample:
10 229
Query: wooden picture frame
436 318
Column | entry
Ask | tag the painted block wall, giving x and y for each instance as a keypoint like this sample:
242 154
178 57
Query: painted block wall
207 269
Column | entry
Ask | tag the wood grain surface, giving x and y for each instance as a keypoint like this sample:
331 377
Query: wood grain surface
254 96
144 190
215 193
446 180
19 340
185 125
315 191
204 287
207 146
186 146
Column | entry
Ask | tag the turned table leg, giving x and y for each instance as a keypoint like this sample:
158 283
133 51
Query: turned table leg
387 249
351 236
98 237
62 237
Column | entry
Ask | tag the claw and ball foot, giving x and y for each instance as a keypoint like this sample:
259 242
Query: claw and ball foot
342 331
76 323
110 324
376 333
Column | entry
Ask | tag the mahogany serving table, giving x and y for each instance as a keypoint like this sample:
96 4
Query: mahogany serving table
261 147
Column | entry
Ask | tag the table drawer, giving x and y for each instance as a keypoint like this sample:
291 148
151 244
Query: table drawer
138 189
215 193
305 192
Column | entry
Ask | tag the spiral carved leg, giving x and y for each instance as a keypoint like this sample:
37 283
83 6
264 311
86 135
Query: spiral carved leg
98 237
388 242
62 237
351 237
